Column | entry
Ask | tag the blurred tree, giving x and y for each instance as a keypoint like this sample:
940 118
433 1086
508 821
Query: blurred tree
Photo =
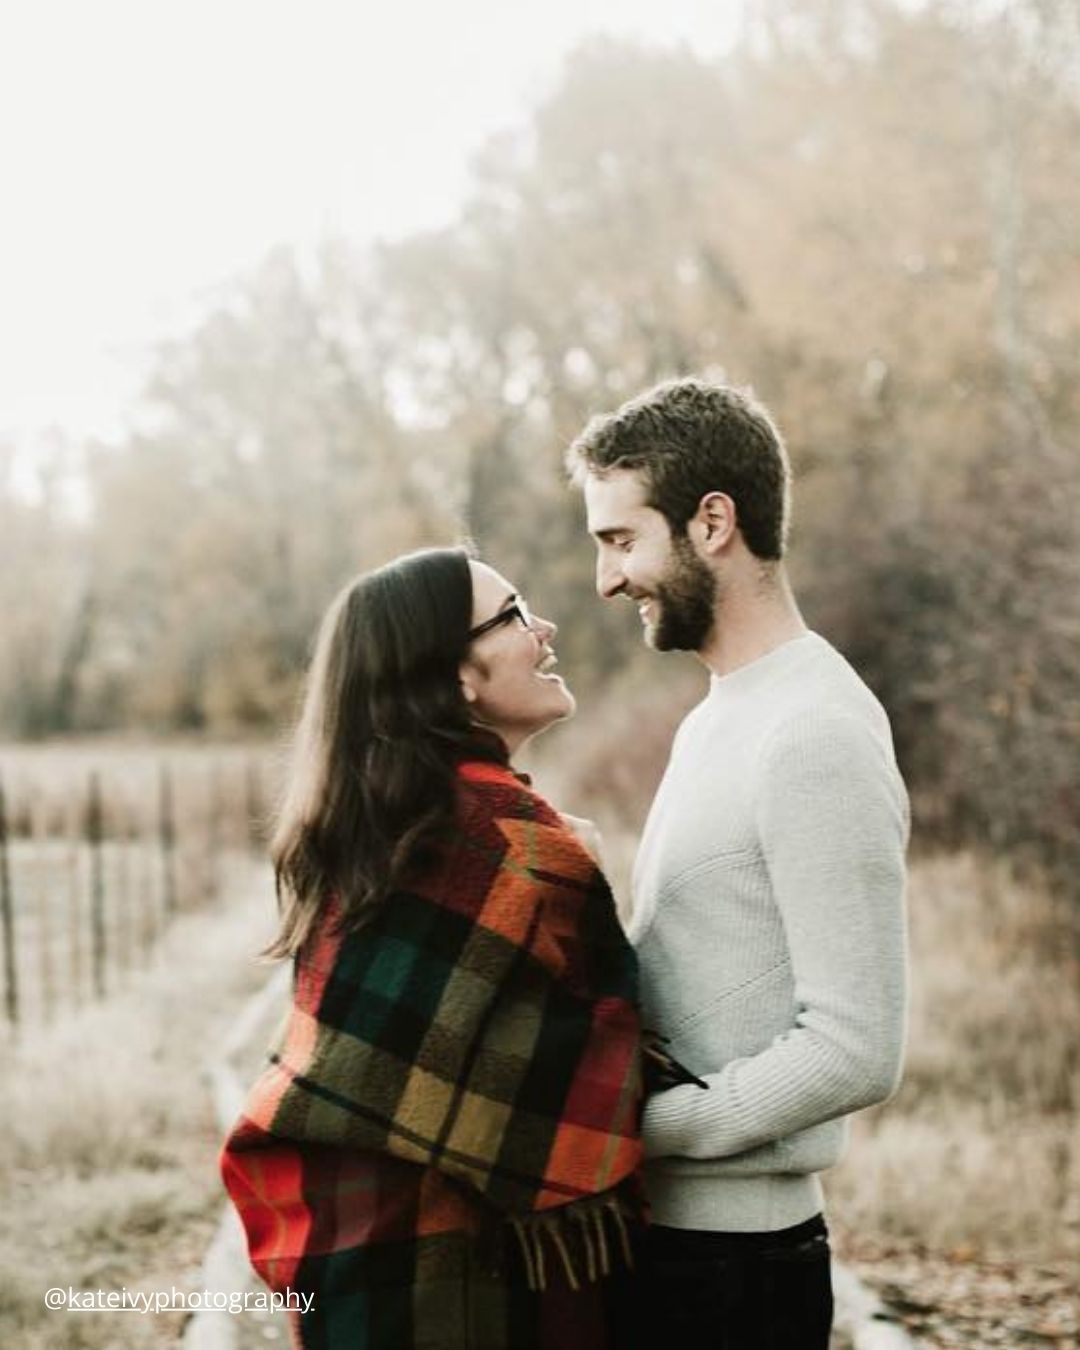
47 606
585 266
867 209
272 468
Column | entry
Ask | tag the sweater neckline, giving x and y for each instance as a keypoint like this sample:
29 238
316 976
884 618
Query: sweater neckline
745 676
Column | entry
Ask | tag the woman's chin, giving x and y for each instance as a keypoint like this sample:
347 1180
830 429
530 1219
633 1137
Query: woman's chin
569 702
561 709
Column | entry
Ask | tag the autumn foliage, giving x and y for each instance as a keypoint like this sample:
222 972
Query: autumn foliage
867 210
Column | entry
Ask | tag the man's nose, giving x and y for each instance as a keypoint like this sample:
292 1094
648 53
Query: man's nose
544 629
609 577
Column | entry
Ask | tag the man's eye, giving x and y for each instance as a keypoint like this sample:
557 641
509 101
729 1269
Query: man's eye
624 545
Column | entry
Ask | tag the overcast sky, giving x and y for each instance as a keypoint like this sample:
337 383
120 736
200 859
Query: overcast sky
151 148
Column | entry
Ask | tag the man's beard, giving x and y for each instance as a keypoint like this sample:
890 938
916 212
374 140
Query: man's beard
686 597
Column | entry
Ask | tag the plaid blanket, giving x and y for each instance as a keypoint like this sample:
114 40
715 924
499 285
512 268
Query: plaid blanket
444 1148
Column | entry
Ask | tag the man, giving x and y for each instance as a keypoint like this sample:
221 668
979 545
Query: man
768 909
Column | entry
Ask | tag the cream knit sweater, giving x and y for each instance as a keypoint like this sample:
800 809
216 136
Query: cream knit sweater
768 916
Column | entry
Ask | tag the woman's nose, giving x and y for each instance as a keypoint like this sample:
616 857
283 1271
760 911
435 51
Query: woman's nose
544 628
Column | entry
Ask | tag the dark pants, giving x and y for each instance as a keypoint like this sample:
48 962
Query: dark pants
737 1291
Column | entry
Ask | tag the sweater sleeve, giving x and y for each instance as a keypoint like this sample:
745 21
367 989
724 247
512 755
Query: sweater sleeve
833 823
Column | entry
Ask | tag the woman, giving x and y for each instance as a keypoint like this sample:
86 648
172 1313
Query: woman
444 1149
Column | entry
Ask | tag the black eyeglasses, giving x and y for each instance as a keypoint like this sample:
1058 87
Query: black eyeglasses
517 609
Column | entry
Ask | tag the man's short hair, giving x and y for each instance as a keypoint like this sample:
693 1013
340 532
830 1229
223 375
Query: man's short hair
688 438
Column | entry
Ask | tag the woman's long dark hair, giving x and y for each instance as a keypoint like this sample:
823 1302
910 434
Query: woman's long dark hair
384 721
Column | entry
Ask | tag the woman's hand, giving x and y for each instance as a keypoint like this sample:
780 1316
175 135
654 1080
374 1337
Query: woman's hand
587 834
662 1070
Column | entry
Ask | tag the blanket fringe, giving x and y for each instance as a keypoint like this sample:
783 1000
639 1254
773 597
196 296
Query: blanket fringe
624 1236
578 1235
541 1270
526 1252
601 1241
560 1246
582 1221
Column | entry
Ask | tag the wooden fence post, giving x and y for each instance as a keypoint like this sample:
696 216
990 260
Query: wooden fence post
167 840
121 855
7 919
148 890
42 877
73 858
214 844
95 835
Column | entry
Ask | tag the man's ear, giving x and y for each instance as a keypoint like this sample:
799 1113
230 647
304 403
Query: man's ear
714 523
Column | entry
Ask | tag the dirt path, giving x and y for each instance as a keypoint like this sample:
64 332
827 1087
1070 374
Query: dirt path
862 1321
955 1299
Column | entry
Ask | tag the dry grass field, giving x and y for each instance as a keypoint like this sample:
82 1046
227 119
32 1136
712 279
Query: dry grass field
959 1200
107 1138
980 1150
103 845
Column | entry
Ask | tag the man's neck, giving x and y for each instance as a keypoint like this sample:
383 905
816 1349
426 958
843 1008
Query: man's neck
750 623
